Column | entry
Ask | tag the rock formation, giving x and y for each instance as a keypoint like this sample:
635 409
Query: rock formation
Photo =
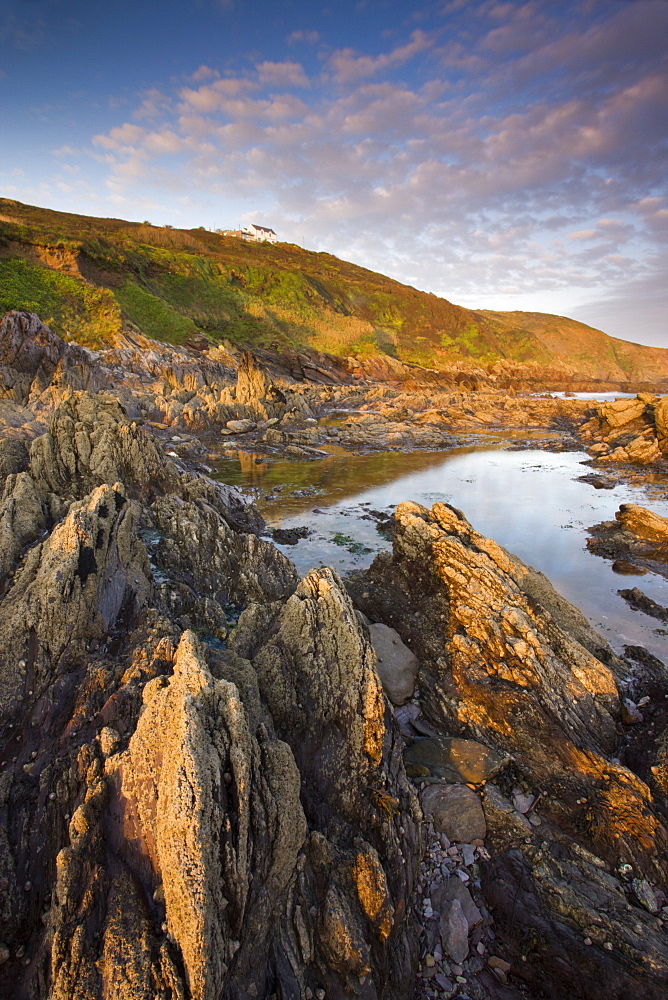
504 660
177 819
204 789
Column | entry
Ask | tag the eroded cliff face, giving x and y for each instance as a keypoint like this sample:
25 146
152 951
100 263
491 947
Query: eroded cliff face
182 815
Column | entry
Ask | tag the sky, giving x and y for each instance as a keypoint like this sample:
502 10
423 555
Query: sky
501 155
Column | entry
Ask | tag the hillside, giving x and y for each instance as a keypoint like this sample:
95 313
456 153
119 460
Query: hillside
91 279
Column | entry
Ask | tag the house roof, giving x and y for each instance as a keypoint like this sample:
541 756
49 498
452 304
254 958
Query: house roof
265 229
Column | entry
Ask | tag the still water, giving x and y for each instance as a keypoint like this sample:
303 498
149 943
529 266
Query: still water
528 501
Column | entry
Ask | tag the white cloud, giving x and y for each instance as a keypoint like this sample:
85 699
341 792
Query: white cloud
450 177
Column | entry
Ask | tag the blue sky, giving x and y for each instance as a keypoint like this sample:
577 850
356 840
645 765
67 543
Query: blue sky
503 155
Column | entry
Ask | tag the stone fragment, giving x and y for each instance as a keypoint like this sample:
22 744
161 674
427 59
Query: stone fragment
457 760
397 666
453 930
522 801
645 895
456 812
504 823
404 715
240 426
451 889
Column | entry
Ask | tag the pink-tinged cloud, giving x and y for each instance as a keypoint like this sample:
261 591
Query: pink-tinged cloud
282 74
348 66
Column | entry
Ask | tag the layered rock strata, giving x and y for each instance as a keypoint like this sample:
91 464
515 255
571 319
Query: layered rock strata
504 660
181 819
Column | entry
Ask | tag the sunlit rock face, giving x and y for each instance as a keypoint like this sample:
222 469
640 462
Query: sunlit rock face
505 660
185 815
629 430
637 536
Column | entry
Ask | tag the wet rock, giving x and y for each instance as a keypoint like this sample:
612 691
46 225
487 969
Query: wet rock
457 760
397 666
456 812
637 536
289 536
640 601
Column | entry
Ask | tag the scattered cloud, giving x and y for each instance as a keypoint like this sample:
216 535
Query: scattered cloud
348 66
500 154
303 37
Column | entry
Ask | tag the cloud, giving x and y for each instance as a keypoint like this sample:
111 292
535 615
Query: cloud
521 160
282 74
304 37
347 66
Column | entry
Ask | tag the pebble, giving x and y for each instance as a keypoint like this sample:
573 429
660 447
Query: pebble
468 854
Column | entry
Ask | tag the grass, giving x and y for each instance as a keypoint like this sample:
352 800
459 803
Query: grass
73 308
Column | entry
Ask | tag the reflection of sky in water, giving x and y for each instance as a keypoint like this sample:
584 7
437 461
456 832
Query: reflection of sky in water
529 502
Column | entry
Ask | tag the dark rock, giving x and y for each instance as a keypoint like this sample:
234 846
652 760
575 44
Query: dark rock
641 602
289 536
456 812
457 760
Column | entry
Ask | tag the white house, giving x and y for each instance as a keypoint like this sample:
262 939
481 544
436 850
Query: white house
259 234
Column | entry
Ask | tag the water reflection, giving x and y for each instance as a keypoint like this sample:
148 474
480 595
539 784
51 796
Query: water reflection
529 502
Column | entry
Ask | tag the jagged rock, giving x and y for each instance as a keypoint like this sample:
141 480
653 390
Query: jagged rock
199 835
91 441
499 666
27 345
661 423
637 536
583 937
621 411
23 517
222 564
69 591
13 457
255 389
397 666
456 812
315 668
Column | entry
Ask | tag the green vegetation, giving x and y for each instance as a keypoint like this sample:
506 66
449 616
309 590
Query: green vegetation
72 307
154 317
89 278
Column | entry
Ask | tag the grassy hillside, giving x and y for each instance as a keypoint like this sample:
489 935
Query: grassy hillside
91 278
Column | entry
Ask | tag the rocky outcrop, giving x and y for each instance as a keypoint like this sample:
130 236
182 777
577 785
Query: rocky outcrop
628 430
504 662
637 537
90 440
174 817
